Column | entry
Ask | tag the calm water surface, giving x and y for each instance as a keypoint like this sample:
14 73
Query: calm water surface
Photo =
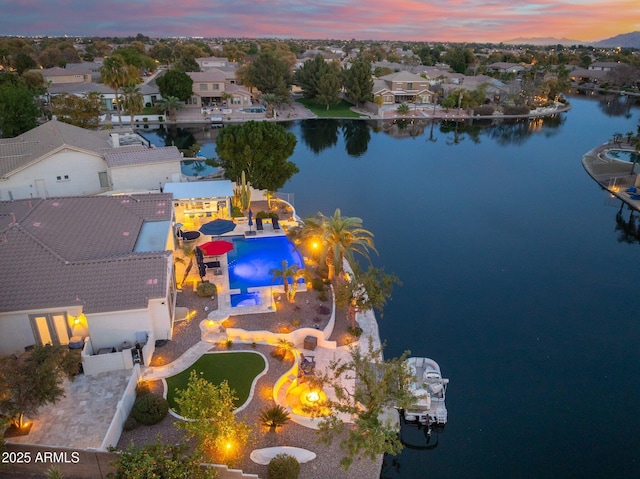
515 279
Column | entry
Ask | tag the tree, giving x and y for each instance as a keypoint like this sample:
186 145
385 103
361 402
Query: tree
403 109
175 83
365 387
23 62
285 272
270 74
34 379
18 108
341 237
169 104
158 460
358 81
366 290
259 148
212 423
329 89
274 417
132 101
308 76
116 74
82 111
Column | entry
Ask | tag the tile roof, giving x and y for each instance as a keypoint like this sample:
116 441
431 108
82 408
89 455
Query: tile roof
142 156
60 252
17 153
207 76
403 76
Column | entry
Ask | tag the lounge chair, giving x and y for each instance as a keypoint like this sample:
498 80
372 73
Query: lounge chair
259 225
274 222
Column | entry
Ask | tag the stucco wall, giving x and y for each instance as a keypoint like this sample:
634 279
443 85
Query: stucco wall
81 168
147 177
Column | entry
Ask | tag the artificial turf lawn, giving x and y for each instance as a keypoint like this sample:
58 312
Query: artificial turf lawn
238 368
341 110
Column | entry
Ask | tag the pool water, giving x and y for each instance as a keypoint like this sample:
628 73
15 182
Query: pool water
197 168
245 299
253 110
623 155
251 261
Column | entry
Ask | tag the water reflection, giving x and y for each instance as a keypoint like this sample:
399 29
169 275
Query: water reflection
319 135
356 137
616 105
628 228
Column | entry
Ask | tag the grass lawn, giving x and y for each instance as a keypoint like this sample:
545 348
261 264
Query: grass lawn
238 368
341 110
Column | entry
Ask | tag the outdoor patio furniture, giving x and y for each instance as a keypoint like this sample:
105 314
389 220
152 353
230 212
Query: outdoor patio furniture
189 235
76 342
310 343
259 225
274 222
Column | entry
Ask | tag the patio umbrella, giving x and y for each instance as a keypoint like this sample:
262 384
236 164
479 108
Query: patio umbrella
217 227
215 248
250 219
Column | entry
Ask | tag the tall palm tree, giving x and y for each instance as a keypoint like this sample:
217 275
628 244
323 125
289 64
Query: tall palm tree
286 272
117 74
170 104
341 238
270 99
132 101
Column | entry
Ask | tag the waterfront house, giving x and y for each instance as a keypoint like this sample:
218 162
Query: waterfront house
95 273
211 88
58 159
402 87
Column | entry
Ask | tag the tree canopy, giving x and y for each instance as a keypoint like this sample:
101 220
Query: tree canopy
34 379
261 149
358 81
82 111
19 111
367 388
175 83
271 74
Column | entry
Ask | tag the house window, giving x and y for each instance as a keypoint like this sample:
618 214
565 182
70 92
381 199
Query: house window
216 86
104 179
409 86
62 178
204 87
236 101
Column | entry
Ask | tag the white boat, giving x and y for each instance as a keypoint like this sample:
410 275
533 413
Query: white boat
427 383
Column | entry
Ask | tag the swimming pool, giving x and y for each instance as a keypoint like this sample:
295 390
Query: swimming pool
253 110
623 155
197 168
251 261
239 300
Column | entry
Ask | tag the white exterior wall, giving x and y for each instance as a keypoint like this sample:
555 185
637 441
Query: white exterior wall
112 329
81 168
15 333
147 177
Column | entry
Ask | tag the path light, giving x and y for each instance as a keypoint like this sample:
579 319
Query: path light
313 396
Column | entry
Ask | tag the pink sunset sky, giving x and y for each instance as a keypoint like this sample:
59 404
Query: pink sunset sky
414 20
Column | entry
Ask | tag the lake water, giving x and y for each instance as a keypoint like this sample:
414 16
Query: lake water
516 280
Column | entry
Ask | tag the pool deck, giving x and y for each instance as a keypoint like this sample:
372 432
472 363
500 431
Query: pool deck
615 176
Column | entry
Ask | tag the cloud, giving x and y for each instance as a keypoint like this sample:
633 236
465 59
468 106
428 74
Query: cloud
428 20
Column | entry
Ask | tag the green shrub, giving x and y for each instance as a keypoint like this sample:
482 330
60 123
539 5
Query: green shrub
295 322
516 110
236 212
142 389
317 284
229 343
267 214
130 424
283 466
357 331
145 119
206 290
150 409
484 110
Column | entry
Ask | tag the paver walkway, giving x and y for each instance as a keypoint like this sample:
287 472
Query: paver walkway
82 417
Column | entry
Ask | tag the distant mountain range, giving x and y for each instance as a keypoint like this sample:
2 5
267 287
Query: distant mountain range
625 40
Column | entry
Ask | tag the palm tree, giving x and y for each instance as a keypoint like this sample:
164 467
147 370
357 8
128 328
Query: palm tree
341 238
286 272
132 101
270 99
170 105
117 74
274 417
